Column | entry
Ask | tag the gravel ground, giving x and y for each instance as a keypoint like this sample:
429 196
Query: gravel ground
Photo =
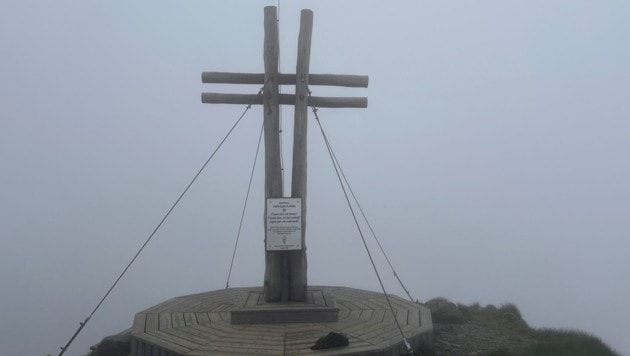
473 339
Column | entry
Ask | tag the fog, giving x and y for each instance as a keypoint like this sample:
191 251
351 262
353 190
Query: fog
492 160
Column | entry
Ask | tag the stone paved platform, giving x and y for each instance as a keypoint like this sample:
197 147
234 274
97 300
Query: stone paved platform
200 325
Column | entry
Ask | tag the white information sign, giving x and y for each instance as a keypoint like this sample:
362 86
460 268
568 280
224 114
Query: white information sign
284 224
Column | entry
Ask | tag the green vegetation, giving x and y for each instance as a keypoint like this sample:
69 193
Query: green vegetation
553 342
506 316
506 320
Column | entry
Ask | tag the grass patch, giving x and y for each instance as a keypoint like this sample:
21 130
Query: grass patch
508 320
553 342
567 342
502 317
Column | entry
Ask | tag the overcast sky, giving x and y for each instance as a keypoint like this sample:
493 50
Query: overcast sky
492 160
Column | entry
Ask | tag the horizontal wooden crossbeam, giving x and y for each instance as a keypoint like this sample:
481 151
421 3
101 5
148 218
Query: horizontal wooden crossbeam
343 80
285 99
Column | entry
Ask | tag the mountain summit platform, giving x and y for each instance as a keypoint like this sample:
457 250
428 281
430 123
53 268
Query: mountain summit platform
235 321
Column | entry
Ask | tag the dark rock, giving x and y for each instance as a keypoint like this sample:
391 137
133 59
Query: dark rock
331 340
445 312
115 345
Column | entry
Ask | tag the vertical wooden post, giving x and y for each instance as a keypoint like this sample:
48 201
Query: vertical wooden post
273 174
297 259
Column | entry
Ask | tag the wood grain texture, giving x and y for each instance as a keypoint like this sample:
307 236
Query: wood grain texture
285 99
297 259
273 172
337 80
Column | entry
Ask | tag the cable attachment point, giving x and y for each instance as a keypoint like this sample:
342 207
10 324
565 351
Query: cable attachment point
409 349
314 108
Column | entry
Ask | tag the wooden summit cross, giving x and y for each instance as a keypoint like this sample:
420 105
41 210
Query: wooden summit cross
285 269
